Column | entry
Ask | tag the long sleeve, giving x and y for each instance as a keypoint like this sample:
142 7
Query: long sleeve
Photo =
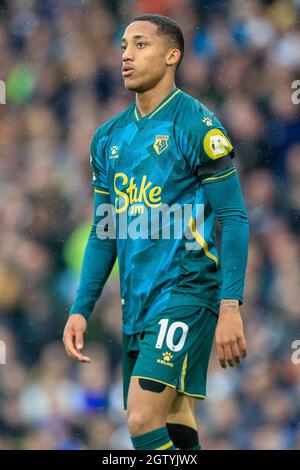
98 261
226 199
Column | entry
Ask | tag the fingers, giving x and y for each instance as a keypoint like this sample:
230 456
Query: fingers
225 355
72 352
243 345
221 355
73 343
79 341
228 354
236 353
231 352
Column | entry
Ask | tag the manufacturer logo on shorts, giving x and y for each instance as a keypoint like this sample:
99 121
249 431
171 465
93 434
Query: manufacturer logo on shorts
167 356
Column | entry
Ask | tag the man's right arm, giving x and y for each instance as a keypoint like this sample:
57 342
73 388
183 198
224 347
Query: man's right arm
99 258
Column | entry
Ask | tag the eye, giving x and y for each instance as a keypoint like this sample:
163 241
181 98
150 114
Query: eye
140 45
123 47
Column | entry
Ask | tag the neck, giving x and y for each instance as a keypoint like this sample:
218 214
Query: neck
148 100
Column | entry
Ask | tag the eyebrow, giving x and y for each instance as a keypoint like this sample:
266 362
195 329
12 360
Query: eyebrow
136 36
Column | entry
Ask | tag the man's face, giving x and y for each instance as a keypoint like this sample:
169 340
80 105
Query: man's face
144 56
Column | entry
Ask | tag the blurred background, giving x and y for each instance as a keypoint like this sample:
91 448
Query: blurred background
61 63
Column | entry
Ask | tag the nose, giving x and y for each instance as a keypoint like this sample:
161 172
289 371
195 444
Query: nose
127 54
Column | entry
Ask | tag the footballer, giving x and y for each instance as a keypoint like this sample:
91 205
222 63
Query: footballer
165 149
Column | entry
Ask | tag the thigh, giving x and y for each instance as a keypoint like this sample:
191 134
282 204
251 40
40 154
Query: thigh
130 352
155 403
182 411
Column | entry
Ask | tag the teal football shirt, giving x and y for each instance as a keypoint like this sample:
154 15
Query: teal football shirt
148 165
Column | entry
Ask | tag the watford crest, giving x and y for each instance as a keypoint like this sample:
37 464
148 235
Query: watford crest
161 143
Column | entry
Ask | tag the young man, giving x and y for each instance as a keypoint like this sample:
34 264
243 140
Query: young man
166 149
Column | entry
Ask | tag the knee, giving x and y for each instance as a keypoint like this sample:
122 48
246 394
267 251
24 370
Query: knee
142 421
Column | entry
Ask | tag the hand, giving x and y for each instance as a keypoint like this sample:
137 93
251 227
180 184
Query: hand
231 343
73 337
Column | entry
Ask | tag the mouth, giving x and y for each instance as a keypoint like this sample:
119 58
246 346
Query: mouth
127 71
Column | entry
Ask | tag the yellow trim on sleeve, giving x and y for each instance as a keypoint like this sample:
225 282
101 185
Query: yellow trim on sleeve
166 446
213 178
101 192
201 241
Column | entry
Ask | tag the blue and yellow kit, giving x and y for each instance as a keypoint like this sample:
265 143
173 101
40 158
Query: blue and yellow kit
162 158
177 155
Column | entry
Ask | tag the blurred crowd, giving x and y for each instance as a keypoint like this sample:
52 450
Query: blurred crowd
60 60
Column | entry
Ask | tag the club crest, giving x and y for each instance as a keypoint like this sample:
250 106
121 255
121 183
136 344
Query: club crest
161 143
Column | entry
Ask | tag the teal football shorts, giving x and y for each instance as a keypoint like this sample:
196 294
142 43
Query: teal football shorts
173 348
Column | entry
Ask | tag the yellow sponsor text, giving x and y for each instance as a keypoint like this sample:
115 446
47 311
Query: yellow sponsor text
143 193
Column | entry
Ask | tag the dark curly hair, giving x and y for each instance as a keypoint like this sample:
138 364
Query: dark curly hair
166 27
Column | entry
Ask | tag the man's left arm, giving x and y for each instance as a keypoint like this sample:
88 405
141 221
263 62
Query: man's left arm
209 152
225 197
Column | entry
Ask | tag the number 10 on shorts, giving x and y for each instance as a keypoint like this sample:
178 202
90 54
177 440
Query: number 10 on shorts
167 332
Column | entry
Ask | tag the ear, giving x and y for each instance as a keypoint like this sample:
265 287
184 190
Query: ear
173 57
